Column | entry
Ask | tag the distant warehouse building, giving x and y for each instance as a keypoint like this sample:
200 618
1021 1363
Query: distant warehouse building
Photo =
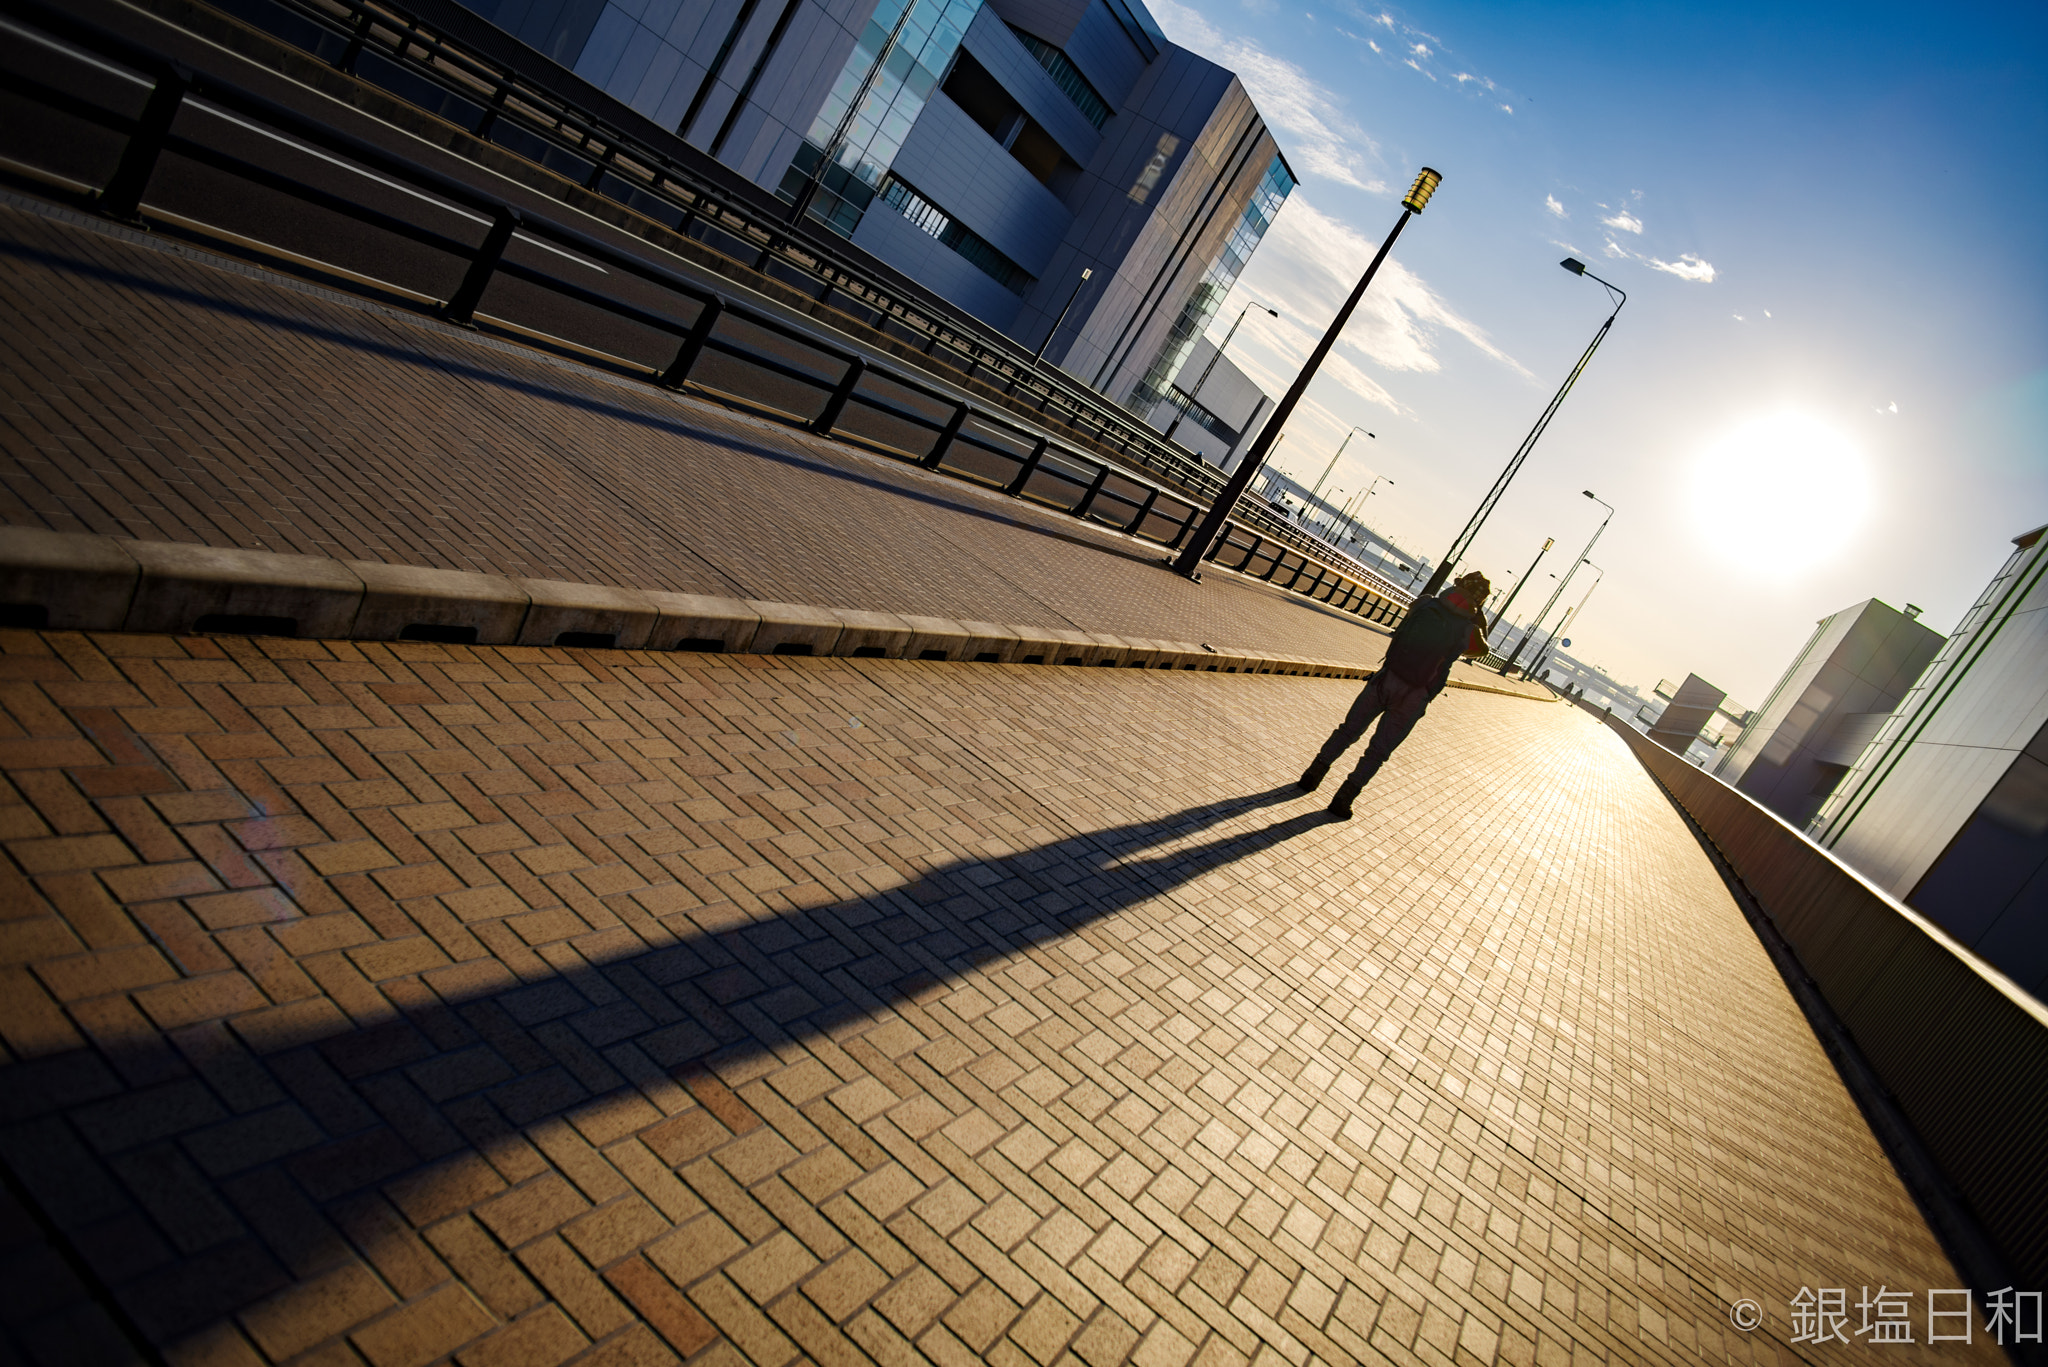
1947 808
992 150
1856 666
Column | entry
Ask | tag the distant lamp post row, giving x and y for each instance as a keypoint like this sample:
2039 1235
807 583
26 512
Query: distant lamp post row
1214 357
1557 637
1189 562
1358 519
1500 486
1561 584
1502 615
1327 469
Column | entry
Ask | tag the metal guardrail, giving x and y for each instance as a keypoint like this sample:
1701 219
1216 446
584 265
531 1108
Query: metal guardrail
421 60
1957 1050
968 442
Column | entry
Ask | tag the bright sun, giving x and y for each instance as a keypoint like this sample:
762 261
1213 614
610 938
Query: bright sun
1779 493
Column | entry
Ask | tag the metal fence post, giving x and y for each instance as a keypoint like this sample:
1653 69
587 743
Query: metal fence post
1144 511
490 115
836 405
461 307
1088 499
1028 469
122 197
693 345
945 441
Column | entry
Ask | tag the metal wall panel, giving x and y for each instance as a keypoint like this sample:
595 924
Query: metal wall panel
924 258
1030 85
961 169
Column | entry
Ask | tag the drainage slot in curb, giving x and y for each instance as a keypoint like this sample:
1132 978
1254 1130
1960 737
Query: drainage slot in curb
245 624
588 640
440 635
1071 660
793 648
702 645
940 655
870 653
24 616
988 657
1034 659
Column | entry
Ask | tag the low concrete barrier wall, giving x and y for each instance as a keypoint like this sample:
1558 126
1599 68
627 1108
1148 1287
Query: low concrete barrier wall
65 581
1961 1049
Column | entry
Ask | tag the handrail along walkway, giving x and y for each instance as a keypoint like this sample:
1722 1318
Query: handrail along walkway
970 442
416 57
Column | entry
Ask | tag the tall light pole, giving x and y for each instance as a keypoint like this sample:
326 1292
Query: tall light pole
1334 459
1502 615
1569 617
1500 486
1189 562
1214 357
1359 520
1559 591
1039 355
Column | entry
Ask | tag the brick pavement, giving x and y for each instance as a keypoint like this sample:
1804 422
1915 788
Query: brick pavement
399 1004
150 394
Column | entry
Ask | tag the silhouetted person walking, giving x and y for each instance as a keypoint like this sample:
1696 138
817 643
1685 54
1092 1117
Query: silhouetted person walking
1428 642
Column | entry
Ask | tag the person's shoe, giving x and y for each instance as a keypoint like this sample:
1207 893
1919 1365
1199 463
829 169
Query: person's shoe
1312 777
1346 794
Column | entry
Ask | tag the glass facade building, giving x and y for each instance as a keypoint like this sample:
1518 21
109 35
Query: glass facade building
990 150
1217 281
902 54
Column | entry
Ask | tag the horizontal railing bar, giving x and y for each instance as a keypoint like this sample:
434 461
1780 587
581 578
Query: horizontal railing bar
1063 466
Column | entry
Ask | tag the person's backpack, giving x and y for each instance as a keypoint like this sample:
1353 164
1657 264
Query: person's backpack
1431 636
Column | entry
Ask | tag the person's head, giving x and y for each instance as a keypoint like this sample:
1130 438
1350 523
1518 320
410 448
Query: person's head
1474 586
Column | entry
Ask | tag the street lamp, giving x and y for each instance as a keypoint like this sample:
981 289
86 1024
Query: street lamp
1559 592
1500 486
1359 520
1189 562
1039 355
1334 459
1502 615
1558 635
1214 357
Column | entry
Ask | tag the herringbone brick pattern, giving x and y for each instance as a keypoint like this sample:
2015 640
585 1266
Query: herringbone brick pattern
404 1004
148 394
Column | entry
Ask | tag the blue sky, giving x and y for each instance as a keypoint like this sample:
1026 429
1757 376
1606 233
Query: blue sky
1830 382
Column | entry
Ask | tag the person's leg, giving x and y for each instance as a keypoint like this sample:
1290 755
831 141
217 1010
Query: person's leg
1404 707
1371 701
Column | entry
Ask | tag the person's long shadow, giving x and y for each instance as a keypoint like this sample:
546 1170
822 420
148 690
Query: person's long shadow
192 1182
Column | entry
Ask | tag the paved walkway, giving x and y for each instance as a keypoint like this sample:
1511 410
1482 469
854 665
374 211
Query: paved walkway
416 1003
146 393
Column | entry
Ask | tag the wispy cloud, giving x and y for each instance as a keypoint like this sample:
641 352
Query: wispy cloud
1324 140
1550 203
1309 261
1686 267
1625 221
1422 52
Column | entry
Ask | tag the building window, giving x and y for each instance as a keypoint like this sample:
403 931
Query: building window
1207 296
1067 77
893 69
929 218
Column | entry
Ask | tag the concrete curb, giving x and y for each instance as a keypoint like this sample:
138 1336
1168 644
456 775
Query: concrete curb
76 582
